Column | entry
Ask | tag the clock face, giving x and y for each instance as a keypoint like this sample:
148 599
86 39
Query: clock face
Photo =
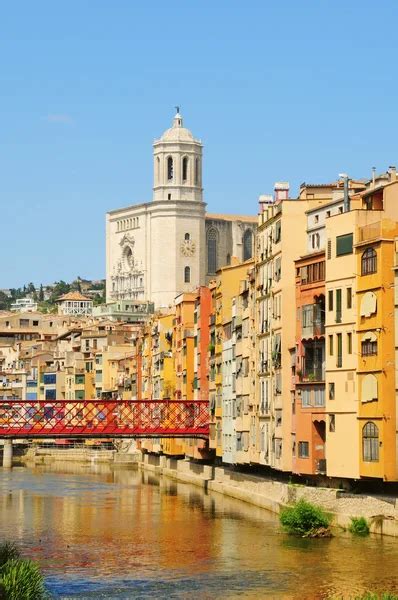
188 248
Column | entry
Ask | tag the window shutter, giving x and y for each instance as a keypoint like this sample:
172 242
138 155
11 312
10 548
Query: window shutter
344 244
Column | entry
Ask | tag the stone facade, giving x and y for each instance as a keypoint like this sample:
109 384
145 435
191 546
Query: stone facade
159 249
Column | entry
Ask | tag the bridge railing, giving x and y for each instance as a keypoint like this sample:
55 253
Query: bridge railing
104 418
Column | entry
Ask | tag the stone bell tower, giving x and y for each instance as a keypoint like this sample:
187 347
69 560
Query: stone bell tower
177 164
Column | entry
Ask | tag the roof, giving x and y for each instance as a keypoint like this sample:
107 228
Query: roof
177 133
74 296
248 218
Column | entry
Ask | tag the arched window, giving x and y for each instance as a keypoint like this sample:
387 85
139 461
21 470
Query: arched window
185 168
228 259
196 171
212 251
369 344
247 244
370 442
187 275
158 169
170 168
369 261
187 236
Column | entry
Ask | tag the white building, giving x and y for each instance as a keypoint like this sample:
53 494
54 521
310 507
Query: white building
74 303
159 249
24 305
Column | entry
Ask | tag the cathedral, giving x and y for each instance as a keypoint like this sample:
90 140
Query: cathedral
158 249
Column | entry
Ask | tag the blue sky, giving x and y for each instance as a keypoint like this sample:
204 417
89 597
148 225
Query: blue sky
282 90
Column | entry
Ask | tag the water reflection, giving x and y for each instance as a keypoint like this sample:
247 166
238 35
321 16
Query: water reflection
119 533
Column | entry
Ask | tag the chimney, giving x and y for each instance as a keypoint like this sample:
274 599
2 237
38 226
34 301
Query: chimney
281 190
392 171
263 201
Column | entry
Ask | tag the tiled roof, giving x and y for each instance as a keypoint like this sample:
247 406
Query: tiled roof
74 296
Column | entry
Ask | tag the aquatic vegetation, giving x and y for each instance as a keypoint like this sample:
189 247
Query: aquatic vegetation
8 551
21 580
359 526
305 519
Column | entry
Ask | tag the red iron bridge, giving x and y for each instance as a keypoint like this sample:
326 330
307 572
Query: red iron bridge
30 419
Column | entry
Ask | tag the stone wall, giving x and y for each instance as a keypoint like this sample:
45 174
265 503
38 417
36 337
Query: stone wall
381 513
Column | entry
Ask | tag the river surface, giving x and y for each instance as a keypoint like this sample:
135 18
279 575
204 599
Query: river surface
123 534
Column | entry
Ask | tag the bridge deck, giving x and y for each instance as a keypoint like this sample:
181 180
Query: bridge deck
103 418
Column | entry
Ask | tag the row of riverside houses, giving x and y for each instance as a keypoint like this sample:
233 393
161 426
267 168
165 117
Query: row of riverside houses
296 348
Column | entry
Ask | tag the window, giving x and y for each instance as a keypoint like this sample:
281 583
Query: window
344 244
368 304
35 323
277 232
370 442
316 218
330 345
185 168
332 423
369 261
313 272
330 299
369 388
196 171
349 343
187 275
327 214
349 297
277 269
170 168
247 244
369 344
212 251
338 305
329 249
306 397
319 396
303 449
331 391
187 237
339 359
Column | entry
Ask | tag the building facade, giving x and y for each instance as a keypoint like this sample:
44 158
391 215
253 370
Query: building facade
159 249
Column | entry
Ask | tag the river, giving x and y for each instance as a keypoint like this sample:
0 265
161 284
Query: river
124 534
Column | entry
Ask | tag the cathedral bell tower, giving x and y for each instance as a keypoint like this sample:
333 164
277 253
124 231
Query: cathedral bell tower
177 164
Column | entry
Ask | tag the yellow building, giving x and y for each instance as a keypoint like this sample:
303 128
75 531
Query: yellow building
360 362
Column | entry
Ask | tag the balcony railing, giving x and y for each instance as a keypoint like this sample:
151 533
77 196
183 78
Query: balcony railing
312 373
317 328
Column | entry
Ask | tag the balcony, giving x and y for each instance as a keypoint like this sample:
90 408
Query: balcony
311 373
316 329
313 319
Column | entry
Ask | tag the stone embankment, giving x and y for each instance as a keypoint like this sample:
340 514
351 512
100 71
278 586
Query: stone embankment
81 455
381 513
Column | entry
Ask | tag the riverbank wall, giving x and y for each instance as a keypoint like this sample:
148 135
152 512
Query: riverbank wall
381 512
81 455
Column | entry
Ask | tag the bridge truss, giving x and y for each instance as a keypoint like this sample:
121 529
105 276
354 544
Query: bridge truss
104 418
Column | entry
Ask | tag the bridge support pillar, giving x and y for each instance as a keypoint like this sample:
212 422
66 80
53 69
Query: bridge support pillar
7 454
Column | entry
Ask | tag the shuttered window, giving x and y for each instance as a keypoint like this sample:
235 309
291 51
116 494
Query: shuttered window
344 244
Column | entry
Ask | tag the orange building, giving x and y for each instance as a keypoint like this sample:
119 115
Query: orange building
202 314
308 420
